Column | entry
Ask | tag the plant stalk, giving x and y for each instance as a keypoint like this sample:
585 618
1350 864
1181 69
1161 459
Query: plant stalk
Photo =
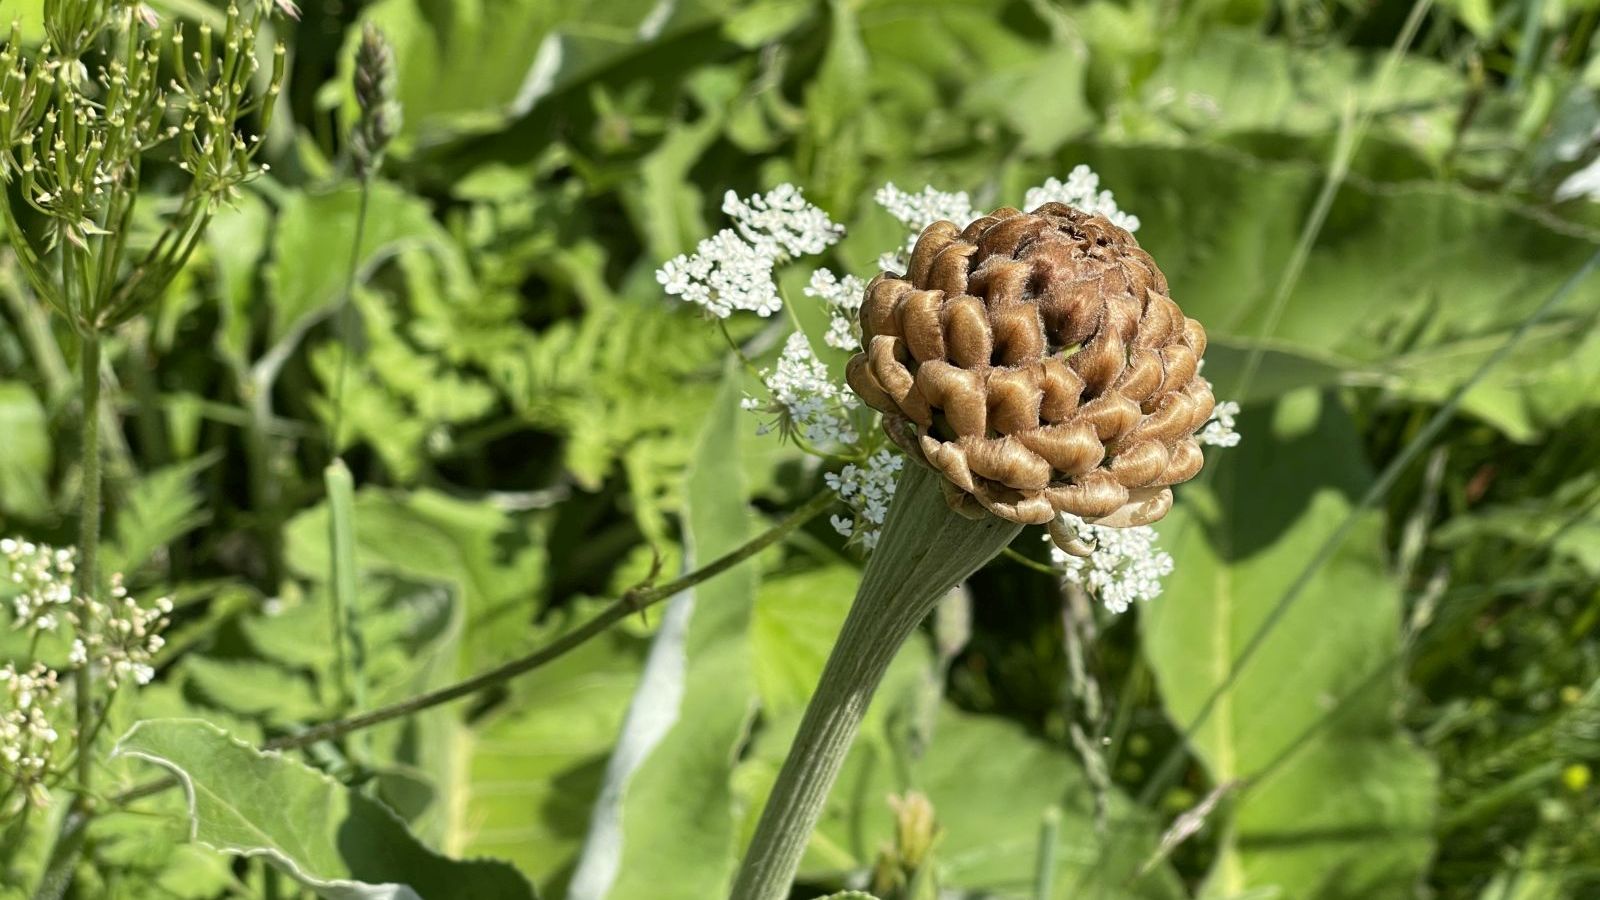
341 519
86 575
925 550
69 842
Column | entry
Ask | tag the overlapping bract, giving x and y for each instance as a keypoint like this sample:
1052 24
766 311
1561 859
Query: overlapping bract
1037 361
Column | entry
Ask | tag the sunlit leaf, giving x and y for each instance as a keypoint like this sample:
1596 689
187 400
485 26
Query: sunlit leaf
328 838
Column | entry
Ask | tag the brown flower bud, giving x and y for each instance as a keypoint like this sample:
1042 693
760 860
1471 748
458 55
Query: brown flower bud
1038 363
379 119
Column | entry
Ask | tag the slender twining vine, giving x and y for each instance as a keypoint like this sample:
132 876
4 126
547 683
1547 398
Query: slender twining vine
109 104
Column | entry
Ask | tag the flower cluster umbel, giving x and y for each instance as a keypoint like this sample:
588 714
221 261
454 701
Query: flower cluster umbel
735 269
115 641
78 117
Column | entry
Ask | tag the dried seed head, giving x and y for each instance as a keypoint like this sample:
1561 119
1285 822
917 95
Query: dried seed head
1037 362
375 95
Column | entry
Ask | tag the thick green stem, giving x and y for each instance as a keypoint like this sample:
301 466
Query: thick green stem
924 551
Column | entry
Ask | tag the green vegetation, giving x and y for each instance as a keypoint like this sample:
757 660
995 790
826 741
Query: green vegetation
392 406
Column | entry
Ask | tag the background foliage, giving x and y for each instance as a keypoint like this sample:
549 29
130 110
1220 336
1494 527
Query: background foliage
531 424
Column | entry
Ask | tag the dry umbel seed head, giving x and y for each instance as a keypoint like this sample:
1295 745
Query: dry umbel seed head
1038 363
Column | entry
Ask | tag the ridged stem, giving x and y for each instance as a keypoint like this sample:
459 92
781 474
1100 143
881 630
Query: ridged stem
925 549
86 575
68 847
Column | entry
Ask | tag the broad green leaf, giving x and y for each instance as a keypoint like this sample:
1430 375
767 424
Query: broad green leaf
1335 801
1278 370
238 240
1411 283
25 455
250 688
1042 100
675 758
158 508
471 66
991 814
410 636
796 620
1235 82
151 856
990 784
330 839
496 559
529 772
307 273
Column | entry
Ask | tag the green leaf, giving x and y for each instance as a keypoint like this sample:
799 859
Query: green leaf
495 558
1042 101
1335 801
237 240
159 508
530 771
251 688
674 760
328 838
795 623
471 66
25 456
1410 284
990 814
307 274
1232 82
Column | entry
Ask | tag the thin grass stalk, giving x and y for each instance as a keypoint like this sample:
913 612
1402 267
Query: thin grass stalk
347 655
340 487
1044 868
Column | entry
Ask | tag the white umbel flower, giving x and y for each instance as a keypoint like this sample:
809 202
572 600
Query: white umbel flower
733 269
807 401
1125 567
42 579
29 701
843 297
918 211
1219 431
723 274
1082 190
781 223
867 490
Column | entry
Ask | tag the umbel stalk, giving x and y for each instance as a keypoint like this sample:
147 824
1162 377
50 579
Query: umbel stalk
924 550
